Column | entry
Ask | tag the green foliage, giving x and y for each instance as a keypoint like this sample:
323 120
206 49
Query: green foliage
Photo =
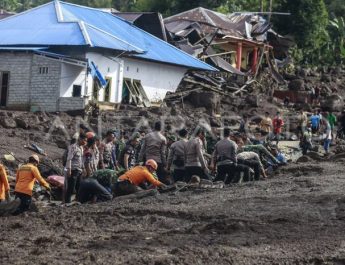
307 23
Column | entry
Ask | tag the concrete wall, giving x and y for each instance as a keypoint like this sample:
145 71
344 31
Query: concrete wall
71 75
70 103
45 87
157 79
19 66
109 69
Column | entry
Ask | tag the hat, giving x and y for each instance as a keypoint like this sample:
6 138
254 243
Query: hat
35 157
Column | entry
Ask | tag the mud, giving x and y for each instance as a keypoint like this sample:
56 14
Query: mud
289 219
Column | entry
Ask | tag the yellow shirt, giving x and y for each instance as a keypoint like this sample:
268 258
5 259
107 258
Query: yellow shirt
138 175
4 186
26 176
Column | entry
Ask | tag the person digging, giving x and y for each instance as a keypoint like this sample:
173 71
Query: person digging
129 182
25 180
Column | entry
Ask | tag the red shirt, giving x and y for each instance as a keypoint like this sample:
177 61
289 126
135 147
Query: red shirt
277 125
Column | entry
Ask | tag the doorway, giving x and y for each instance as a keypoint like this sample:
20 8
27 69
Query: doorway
4 82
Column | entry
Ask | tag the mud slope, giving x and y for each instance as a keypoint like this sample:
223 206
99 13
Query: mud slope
292 219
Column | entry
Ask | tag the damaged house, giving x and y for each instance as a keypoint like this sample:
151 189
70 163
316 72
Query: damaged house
234 43
59 56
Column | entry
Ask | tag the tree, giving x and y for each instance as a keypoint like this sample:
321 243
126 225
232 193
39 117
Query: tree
307 23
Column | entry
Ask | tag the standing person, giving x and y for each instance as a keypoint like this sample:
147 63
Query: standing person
91 156
306 141
106 150
342 122
278 124
170 140
74 167
128 183
225 159
25 180
327 138
315 122
176 157
332 119
321 120
195 163
4 186
302 123
154 147
266 124
127 156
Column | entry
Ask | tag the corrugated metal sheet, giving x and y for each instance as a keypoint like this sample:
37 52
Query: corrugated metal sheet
40 26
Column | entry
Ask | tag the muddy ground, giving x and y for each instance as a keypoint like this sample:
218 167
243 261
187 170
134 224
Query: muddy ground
297 217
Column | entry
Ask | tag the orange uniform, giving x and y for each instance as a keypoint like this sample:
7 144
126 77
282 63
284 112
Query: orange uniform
138 175
4 186
26 176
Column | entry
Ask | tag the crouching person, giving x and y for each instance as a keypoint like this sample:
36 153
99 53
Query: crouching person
90 190
26 177
128 183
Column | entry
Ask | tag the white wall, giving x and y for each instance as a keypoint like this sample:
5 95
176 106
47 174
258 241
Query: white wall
108 68
157 79
71 75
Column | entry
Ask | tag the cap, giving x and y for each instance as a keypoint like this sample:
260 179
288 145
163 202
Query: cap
35 157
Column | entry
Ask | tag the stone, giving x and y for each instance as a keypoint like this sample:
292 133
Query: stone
207 99
21 123
296 85
332 103
303 159
8 123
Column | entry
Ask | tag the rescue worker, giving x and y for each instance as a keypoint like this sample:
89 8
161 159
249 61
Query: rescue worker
74 167
195 163
128 183
176 157
252 160
91 155
154 147
266 124
90 190
306 141
225 160
4 186
127 155
25 180
106 150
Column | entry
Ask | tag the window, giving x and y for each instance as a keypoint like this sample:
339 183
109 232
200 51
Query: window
76 93
133 93
43 70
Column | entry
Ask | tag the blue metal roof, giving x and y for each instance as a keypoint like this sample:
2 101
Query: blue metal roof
60 23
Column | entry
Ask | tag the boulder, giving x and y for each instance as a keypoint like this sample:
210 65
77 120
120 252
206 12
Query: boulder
207 99
8 123
296 85
332 103
303 159
21 123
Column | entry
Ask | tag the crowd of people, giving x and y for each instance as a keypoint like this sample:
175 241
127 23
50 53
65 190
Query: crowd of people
124 163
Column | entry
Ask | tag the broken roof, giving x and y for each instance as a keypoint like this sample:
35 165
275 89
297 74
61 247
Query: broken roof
235 25
64 24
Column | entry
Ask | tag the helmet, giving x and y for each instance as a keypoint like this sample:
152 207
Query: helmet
152 164
35 157
90 135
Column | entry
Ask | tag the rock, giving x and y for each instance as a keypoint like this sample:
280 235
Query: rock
296 85
207 99
8 123
337 157
303 159
21 123
252 101
214 122
61 142
314 155
332 103
326 78
144 113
